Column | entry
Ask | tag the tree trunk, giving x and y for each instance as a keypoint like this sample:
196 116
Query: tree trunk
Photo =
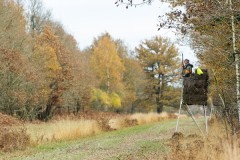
160 93
236 58
51 104
47 113
159 107
78 107
108 80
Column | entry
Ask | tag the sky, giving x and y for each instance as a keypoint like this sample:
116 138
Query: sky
87 19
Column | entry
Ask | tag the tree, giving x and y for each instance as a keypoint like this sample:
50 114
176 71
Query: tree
159 59
13 35
107 64
134 83
53 59
37 16
78 96
131 3
11 78
17 83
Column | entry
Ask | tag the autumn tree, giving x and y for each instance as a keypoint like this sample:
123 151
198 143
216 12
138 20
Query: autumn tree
78 96
37 15
134 79
13 35
108 68
134 83
52 57
11 78
161 63
61 80
18 96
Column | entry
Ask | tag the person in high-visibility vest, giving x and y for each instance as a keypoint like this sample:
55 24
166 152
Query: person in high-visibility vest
187 68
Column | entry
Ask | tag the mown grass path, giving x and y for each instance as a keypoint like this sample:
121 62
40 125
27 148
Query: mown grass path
138 142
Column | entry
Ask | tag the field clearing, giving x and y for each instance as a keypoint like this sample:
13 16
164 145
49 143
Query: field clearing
138 136
137 142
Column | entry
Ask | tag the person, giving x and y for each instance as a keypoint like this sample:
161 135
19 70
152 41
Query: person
187 68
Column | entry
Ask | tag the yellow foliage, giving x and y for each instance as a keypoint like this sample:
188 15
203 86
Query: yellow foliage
105 98
107 64
100 96
112 99
44 92
46 54
115 100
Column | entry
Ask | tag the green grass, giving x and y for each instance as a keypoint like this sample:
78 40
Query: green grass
152 146
129 143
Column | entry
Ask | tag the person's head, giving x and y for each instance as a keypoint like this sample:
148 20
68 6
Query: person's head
186 61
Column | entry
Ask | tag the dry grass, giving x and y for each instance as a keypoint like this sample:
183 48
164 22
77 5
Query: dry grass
62 130
151 117
140 119
215 147
74 128
227 148
231 151
13 134
117 123
230 147
13 139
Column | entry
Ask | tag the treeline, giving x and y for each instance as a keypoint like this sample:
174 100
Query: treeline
43 72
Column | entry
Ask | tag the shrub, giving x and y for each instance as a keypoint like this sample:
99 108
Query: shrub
13 139
13 135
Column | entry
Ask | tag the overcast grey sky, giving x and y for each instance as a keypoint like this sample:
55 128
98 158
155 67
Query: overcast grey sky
86 19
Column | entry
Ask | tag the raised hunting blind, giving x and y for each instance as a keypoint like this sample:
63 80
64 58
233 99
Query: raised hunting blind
195 89
195 92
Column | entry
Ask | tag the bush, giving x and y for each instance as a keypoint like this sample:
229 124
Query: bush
13 139
13 135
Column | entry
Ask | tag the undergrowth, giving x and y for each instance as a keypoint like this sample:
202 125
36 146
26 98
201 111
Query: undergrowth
13 134
216 146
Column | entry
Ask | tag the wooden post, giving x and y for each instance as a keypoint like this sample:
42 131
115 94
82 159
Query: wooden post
194 120
206 119
180 107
